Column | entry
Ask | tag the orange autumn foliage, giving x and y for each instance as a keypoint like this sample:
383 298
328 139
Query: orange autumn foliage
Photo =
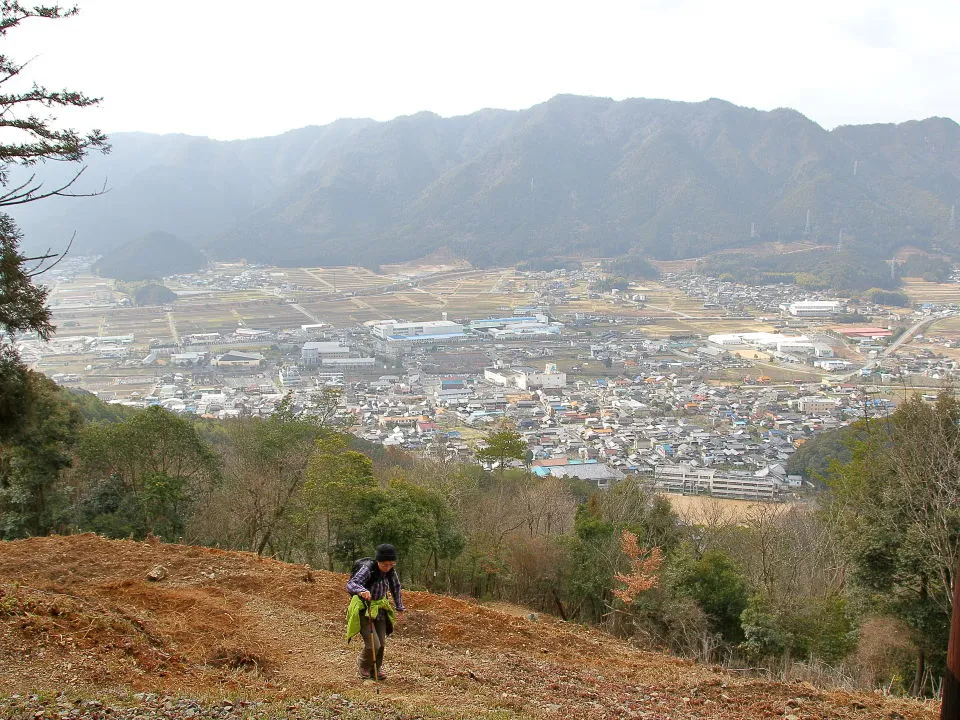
644 565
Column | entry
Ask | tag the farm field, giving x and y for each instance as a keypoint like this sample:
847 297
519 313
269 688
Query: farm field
702 509
919 290
345 296
946 326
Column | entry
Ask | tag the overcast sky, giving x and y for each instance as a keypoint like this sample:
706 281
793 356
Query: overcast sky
235 69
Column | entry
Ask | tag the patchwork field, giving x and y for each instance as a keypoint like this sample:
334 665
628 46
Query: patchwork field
344 296
946 326
919 290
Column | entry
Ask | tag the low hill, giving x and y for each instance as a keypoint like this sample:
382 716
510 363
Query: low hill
150 257
78 615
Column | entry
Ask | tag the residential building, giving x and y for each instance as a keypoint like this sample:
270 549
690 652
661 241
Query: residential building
526 379
312 353
235 358
690 480
816 404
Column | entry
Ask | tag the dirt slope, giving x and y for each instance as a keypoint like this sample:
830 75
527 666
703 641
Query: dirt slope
78 613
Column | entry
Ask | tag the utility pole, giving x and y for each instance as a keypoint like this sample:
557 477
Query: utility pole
950 709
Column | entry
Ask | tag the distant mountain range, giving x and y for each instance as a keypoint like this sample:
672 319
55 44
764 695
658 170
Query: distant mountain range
575 176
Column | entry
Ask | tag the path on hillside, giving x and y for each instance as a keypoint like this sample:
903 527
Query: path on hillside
80 613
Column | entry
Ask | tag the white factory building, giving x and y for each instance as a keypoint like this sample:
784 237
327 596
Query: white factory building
814 308
429 329
787 344
526 330
394 337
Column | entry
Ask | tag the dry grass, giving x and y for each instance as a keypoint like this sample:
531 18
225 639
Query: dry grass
699 509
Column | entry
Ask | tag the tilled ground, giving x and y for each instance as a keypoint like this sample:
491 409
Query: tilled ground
230 635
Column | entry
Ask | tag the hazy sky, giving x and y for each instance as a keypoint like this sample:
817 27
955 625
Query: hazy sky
234 69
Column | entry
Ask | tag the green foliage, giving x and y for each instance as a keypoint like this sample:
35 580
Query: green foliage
14 390
830 629
413 519
814 458
22 302
822 630
894 507
593 558
337 484
717 586
611 283
632 267
932 268
150 294
500 446
30 136
594 554
351 513
885 297
143 474
32 502
855 268
764 635
547 264
93 409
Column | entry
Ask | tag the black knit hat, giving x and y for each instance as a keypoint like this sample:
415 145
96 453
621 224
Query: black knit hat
386 552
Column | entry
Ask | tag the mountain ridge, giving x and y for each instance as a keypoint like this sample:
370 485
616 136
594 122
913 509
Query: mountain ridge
570 176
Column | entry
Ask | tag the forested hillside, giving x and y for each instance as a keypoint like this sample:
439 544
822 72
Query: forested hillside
574 175
151 257
826 592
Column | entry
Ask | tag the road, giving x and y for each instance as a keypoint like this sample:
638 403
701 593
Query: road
303 311
895 345
173 329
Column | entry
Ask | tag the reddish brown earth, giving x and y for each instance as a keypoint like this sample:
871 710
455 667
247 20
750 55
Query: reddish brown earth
78 615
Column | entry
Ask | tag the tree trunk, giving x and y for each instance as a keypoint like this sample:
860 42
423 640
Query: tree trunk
950 709
918 676
921 656
556 600
329 547
262 545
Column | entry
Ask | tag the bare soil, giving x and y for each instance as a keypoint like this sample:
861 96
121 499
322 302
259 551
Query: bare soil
78 614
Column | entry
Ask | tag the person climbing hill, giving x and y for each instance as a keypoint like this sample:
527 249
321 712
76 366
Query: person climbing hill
369 612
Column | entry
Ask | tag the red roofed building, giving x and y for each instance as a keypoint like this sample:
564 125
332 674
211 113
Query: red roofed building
863 332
